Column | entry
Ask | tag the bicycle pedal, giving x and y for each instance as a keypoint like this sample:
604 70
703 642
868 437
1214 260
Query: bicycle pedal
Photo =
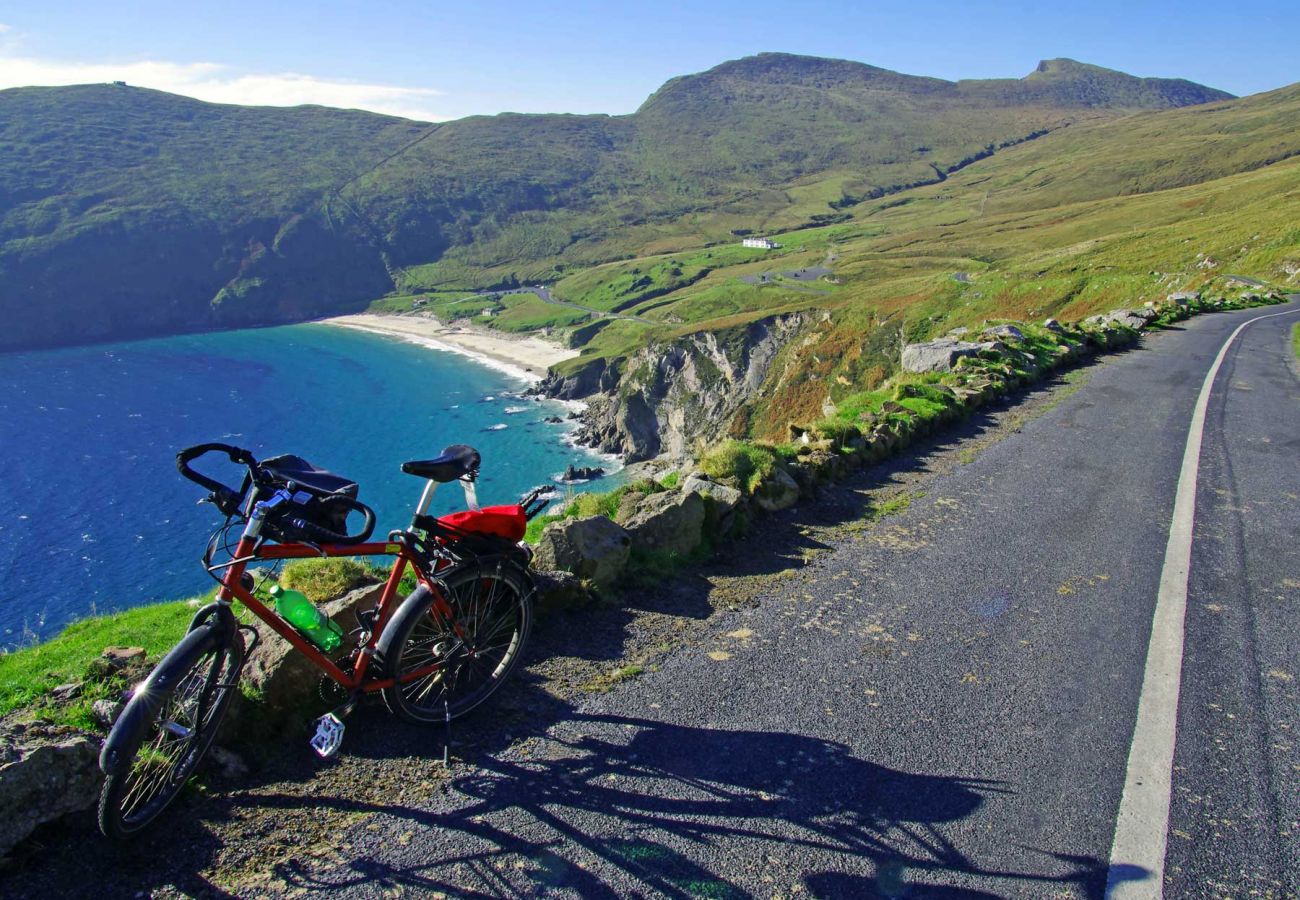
328 737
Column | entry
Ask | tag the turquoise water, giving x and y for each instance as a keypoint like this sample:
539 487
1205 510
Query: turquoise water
94 517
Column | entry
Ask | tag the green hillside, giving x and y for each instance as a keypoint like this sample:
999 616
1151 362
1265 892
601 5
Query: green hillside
1086 219
126 212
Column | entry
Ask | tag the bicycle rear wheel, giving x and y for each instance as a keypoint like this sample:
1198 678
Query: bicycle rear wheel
448 650
178 718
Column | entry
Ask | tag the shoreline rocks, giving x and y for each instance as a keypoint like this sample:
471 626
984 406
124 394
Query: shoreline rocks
582 473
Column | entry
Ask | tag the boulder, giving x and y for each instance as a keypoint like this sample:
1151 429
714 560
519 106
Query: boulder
828 465
227 763
67 692
287 680
1005 332
627 506
592 547
805 476
1131 318
720 502
936 356
777 492
668 522
105 712
559 590
45 772
1053 325
114 660
726 498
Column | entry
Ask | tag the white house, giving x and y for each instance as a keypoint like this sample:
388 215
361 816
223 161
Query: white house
760 243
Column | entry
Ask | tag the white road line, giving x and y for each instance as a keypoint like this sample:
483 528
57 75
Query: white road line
1142 828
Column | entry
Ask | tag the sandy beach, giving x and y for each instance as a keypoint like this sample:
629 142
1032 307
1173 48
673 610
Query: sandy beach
523 357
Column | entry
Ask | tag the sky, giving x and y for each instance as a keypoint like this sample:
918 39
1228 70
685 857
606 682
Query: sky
433 60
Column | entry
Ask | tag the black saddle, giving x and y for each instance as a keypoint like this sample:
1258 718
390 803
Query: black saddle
456 462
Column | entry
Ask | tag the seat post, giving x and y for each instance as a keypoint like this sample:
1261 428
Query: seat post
426 498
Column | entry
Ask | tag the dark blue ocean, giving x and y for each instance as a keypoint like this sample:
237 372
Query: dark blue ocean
94 517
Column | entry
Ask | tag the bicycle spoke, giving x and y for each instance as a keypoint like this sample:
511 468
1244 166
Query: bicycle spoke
176 737
481 624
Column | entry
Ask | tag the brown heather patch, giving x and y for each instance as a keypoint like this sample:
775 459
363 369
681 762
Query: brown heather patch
740 423
791 402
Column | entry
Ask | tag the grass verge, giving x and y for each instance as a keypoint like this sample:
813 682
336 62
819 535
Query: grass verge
29 675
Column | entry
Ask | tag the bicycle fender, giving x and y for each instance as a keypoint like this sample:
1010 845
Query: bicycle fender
148 696
415 600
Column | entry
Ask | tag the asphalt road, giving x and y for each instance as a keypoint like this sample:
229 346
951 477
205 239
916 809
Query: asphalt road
939 704
942 705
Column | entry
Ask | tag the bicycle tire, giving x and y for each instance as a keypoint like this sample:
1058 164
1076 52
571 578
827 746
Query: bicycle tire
441 674
176 729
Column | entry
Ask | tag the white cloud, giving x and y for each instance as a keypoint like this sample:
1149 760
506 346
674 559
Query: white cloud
219 84
4 27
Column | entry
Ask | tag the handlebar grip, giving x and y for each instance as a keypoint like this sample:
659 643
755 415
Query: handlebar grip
189 454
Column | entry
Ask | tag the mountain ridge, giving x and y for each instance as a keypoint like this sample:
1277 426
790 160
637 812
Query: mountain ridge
126 212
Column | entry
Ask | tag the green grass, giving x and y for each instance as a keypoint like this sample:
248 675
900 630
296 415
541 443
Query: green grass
528 312
537 525
592 503
745 463
620 286
609 680
28 674
892 506
320 580
1295 340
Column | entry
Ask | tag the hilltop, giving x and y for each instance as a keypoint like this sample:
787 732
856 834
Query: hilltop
128 212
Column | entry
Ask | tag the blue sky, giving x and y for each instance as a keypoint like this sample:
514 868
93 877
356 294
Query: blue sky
436 60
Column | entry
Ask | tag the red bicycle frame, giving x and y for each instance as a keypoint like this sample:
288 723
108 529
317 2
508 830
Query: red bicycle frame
251 549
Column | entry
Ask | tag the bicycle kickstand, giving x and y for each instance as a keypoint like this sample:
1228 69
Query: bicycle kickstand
329 730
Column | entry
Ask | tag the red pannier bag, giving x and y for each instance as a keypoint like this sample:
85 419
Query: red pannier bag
507 522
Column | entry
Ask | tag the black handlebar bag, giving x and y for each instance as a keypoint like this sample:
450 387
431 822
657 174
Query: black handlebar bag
319 497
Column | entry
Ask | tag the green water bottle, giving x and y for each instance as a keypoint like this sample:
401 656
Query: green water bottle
302 614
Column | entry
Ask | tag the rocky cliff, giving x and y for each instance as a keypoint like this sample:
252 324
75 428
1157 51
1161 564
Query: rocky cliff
667 398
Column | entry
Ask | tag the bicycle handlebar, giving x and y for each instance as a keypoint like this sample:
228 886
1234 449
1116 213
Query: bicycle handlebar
322 535
225 497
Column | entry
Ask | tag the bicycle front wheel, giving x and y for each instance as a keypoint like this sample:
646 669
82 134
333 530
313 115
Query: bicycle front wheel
449 649
178 718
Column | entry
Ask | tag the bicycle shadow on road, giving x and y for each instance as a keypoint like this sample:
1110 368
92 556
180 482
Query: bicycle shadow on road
610 805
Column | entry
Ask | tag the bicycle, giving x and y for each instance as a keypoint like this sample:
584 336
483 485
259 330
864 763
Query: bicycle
433 655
